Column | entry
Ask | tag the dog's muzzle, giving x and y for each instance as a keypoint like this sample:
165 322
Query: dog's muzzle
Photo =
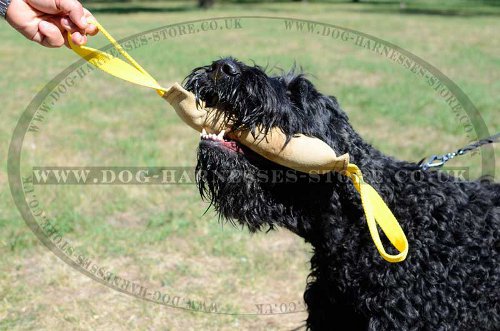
302 153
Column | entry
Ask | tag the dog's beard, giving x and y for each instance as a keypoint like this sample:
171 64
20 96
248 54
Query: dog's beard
229 180
245 188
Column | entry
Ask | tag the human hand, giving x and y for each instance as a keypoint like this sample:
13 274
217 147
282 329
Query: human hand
48 21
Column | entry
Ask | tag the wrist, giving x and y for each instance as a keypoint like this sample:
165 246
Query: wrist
4 4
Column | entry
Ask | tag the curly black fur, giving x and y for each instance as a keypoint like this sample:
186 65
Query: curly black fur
450 280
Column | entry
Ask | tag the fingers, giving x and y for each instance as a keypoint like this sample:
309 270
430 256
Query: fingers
77 37
76 22
74 10
91 28
49 35
40 21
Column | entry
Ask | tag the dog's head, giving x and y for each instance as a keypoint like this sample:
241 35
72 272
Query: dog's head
241 184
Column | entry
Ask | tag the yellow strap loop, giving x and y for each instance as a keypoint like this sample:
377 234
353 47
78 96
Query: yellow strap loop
132 72
376 211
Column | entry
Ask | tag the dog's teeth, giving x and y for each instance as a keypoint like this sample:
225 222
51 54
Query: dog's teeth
212 136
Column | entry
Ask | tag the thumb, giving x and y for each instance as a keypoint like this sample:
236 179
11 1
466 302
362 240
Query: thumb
74 10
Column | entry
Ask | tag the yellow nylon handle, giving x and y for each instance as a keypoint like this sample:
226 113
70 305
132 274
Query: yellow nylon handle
375 209
377 212
114 66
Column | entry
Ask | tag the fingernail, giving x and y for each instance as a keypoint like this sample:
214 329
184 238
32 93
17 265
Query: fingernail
77 38
65 22
84 21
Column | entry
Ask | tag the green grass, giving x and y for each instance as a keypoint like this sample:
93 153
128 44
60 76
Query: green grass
159 236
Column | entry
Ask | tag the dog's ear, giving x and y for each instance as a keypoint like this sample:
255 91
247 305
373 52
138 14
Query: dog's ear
300 90
307 99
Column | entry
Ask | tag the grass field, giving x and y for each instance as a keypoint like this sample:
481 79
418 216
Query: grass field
159 236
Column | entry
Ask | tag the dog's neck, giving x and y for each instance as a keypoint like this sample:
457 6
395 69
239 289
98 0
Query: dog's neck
379 170
344 139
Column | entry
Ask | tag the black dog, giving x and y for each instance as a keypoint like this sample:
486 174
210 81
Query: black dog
451 277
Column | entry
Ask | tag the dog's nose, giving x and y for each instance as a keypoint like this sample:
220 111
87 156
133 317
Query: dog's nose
227 67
